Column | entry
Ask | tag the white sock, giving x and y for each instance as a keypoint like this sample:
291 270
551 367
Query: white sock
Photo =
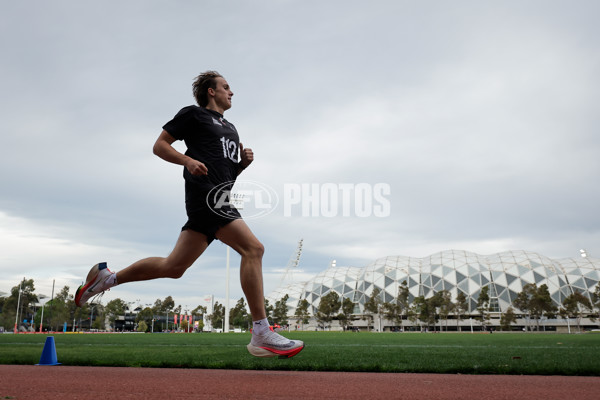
260 327
111 280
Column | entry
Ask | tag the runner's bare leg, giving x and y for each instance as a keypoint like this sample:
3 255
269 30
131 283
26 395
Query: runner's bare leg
239 237
189 247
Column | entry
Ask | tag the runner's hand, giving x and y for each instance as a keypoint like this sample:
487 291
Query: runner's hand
195 167
246 155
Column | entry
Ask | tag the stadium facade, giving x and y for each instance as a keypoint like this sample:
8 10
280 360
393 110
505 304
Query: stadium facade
456 271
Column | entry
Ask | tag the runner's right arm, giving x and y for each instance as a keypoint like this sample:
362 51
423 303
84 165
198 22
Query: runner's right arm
164 149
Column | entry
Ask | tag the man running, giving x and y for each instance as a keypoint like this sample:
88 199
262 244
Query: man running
210 163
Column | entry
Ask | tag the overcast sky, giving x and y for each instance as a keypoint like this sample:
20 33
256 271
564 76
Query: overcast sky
480 117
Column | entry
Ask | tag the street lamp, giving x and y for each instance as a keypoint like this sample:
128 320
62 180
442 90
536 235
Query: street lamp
18 305
41 297
379 315
226 319
93 305
187 329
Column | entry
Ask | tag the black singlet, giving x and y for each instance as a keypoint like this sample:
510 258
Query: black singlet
211 140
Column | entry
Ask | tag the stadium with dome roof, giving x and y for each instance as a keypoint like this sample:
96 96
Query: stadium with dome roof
456 271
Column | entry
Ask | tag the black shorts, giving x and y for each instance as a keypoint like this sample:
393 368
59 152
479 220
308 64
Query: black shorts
205 215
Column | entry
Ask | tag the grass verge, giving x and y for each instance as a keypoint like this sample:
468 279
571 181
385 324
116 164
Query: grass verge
527 354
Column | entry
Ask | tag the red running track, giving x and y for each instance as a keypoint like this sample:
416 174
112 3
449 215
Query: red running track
23 382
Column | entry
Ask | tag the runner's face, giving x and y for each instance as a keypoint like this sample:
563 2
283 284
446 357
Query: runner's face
223 94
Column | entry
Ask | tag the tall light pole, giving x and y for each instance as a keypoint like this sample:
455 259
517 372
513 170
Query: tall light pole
92 314
185 311
52 302
18 305
42 318
137 310
41 297
226 327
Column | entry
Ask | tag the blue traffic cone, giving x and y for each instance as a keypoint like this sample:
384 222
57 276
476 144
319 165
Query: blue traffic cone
49 353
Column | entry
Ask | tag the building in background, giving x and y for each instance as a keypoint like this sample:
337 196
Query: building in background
456 271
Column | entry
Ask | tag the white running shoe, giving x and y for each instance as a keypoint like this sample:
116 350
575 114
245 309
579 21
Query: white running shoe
95 284
272 344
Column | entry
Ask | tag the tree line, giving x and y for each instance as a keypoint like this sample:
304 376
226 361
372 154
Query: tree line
91 316
533 302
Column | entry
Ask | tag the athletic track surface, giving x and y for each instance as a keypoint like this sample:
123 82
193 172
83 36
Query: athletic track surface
23 382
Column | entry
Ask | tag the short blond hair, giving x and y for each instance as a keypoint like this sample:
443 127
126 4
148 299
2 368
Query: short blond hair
202 83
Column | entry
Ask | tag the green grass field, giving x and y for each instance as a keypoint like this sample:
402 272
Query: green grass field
531 354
